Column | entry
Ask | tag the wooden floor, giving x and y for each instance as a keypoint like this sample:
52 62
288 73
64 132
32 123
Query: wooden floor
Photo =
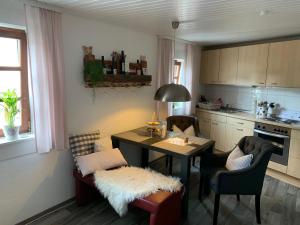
280 204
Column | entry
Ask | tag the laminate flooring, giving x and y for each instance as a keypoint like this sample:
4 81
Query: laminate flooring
280 205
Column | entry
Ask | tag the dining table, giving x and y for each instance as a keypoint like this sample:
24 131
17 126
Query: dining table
177 145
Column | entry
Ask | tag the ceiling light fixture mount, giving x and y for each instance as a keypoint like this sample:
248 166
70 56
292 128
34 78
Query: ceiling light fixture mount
264 12
175 24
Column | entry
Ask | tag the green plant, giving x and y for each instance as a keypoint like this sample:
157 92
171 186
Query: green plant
93 71
9 102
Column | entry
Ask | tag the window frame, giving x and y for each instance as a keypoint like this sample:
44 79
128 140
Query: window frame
23 68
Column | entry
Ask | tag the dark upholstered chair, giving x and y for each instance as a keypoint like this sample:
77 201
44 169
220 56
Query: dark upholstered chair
247 181
182 122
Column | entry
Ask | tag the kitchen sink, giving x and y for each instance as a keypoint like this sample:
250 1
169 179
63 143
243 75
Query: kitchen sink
230 110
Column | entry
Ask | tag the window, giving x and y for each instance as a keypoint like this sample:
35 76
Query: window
14 72
177 71
178 78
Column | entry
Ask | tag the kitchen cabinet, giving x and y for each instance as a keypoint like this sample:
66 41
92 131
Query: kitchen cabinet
236 129
252 65
218 131
293 168
210 64
224 130
228 65
204 124
284 64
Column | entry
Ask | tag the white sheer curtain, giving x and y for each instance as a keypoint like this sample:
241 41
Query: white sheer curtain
164 73
192 72
47 77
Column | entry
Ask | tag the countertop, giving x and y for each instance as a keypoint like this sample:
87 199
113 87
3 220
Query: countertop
249 117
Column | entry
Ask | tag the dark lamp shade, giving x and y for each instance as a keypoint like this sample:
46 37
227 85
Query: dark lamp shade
172 93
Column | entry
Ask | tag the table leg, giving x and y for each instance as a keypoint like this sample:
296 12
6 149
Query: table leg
185 178
115 142
145 157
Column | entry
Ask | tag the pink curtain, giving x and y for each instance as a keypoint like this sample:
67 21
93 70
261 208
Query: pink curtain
164 73
47 77
192 72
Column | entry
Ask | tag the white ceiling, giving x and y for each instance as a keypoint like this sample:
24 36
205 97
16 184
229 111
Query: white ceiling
204 21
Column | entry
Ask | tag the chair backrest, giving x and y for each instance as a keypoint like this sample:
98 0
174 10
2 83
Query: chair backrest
83 144
262 151
183 122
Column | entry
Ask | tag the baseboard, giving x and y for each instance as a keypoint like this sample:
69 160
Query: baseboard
283 177
47 211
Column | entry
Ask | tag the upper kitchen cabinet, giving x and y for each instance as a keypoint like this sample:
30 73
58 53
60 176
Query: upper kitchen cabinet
284 64
228 65
210 65
252 65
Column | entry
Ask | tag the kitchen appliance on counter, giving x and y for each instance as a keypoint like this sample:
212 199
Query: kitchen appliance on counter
277 135
262 110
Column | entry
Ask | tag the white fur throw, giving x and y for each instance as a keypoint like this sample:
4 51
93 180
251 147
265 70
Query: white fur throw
124 185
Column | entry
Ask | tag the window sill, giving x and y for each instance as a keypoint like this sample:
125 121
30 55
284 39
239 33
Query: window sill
22 138
13 149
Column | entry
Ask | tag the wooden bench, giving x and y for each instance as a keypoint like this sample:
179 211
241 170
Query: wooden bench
164 207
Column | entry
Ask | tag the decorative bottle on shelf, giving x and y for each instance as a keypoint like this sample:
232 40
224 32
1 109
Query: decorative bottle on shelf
141 68
138 68
113 65
103 65
122 63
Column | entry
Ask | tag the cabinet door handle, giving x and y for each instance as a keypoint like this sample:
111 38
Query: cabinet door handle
214 123
261 82
240 129
274 83
241 123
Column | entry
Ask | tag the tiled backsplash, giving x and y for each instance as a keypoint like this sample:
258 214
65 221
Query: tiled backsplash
243 97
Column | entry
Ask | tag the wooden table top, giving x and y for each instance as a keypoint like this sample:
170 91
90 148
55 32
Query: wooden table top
143 138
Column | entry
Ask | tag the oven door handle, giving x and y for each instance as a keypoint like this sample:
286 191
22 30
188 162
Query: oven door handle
271 134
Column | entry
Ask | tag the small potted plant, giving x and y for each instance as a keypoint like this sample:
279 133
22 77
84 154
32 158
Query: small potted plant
9 104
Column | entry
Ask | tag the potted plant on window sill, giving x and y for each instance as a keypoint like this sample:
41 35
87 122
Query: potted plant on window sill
9 104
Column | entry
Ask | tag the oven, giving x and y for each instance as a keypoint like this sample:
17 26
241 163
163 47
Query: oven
277 135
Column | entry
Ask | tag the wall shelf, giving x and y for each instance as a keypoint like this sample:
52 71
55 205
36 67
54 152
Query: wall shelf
122 80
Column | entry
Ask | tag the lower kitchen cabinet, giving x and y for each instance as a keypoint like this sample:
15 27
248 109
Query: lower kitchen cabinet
225 131
293 168
236 129
234 134
218 134
204 125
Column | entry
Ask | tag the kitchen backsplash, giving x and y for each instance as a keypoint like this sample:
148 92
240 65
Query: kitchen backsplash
243 97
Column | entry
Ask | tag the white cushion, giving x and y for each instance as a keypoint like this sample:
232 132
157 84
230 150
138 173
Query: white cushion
188 131
102 160
238 160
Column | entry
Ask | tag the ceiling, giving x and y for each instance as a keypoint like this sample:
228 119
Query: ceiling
205 21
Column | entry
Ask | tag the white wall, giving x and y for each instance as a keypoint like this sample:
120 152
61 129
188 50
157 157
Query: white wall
114 109
33 183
